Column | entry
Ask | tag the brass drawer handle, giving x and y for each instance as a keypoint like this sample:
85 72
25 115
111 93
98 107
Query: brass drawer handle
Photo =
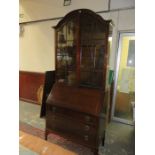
86 137
87 127
87 118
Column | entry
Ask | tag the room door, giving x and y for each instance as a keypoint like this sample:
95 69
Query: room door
124 85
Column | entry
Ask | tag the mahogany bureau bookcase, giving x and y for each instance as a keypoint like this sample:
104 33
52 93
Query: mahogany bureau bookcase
76 107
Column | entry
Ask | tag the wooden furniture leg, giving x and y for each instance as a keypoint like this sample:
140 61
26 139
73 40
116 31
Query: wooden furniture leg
103 139
46 134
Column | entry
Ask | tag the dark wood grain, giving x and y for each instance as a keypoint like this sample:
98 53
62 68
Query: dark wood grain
72 114
79 99
30 83
78 104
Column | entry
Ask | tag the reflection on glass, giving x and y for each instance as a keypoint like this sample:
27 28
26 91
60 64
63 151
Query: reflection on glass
92 53
66 53
131 54
125 95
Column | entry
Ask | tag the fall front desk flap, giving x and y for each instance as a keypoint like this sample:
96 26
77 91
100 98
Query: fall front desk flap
75 98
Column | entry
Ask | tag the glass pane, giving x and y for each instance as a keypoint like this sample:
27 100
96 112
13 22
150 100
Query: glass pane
92 52
125 95
66 53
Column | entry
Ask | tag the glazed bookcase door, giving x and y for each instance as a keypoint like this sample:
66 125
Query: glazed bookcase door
66 38
93 40
81 50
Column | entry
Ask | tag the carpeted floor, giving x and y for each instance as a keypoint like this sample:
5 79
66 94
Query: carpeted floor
119 137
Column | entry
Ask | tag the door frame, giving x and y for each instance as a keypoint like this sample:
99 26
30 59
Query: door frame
121 34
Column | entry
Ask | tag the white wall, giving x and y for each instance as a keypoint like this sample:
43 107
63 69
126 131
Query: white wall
115 4
42 9
37 43
36 47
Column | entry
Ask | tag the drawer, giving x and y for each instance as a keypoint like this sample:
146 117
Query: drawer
70 125
85 118
83 133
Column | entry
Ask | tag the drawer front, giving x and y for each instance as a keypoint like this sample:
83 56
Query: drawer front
75 130
87 119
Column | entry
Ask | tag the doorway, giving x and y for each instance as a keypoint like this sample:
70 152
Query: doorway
124 84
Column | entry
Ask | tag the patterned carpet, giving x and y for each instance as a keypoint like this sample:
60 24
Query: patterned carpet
119 137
